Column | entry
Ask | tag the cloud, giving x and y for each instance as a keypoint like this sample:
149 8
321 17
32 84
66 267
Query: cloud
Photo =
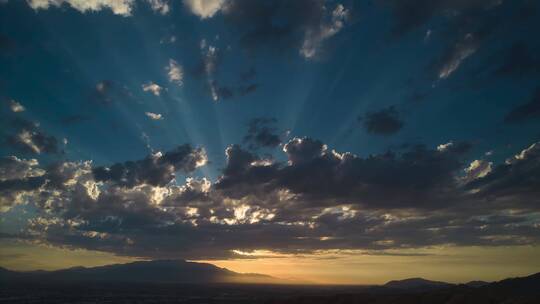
74 119
411 14
175 72
514 182
313 38
152 87
159 6
518 60
16 107
262 133
304 150
477 169
157 169
204 8
17 178
383 122
245 90
153 116
525 112
453 58
12 167
304 24
29 138
118 7
210 61
319 200
107 92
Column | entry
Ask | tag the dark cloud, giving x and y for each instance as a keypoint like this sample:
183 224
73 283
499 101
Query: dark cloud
74 119
6 44
248 75
519 61
157 169
221 92
107 92
300 150
525 112
411 14
318 200
384 122
416 178
262 133
518 179
300 25
248 89
30 138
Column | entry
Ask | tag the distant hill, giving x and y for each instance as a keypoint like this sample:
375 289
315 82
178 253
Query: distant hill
417 284
160 271
529 285
510 291
476 283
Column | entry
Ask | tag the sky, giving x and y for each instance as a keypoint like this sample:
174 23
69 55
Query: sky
324 141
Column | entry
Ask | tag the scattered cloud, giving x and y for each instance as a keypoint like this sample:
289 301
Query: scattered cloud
118 7
107 92
154 116
248 89
519 60
313 37
412 14
29 138
477 169
384 122
157 169
204 8
159 6
175 72
262 133
74 119
453 58
525 112
152 87
16 107
304 24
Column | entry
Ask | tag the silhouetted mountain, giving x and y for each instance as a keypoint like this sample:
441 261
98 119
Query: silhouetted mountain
524 286
510 291
176 271
417 284
476 283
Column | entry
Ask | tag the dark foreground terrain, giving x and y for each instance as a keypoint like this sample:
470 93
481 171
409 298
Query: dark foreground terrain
169 282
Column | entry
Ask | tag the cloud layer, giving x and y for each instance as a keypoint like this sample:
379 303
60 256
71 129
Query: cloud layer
319 199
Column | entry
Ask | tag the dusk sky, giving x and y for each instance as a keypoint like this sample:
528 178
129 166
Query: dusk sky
324 141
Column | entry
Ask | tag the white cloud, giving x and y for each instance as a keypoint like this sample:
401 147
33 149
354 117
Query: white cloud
26 138
175 72
314 37
462 51
152 87
444 147
159 6
210 59
118 7
154 116
477 169
204 8
16 107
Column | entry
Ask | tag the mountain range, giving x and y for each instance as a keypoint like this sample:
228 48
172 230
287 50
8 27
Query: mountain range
159 271
166 280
